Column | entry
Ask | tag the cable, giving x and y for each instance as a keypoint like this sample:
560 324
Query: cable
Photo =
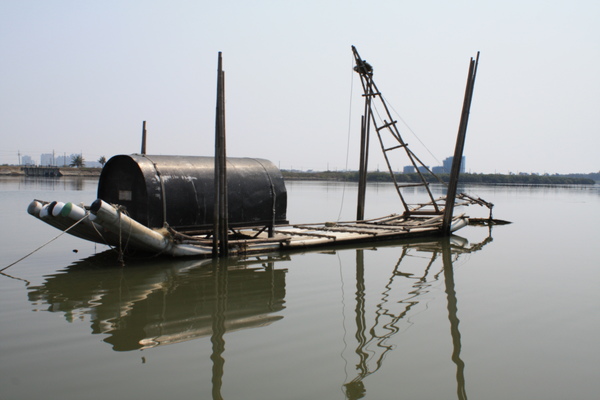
45 244
347 137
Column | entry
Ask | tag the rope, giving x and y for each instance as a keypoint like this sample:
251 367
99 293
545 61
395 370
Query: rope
348 138
410 130
113 248
273 195
120 258
424 146
162 189
45 244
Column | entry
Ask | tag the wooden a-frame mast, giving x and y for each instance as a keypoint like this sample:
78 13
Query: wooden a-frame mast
388 129
390 139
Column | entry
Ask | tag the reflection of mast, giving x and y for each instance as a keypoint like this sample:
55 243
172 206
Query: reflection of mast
361 324
218 328
452 316
158 302
219 317
355 389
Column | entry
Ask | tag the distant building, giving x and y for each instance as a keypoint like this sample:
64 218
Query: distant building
448 164
445 169
27 160
47 159
409 169
62 161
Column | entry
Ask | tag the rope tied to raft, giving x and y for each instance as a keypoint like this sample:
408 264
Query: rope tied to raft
47 243
121 260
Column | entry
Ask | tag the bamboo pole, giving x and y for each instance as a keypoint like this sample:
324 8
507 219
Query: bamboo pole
224 250
362 182
460 145
144 137
220 216
364 148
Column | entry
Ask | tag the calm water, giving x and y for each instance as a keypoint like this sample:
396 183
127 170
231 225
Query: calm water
513 314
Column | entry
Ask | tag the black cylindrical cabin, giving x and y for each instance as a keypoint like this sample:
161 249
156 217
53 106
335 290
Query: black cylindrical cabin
180 190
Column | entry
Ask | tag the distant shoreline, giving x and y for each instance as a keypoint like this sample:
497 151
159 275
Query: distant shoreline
16 170
485 179
352 176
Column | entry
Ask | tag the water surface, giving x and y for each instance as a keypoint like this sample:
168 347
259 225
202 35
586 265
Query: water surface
511 312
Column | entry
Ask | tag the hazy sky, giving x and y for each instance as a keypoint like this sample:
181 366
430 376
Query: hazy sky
81 76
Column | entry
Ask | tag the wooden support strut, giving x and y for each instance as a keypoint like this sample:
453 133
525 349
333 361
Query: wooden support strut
386 125
396 147
458 151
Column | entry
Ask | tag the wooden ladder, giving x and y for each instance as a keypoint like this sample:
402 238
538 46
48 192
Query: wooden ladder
387 132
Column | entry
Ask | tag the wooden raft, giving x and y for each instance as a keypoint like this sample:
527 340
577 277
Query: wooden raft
283 237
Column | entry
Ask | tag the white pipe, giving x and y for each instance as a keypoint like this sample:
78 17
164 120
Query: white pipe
34 208
44 211
460 222
131 231
137 234
72 211
57 208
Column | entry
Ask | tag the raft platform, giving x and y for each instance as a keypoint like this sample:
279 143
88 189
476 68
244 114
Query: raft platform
106 224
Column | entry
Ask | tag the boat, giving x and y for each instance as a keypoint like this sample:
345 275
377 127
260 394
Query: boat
207 207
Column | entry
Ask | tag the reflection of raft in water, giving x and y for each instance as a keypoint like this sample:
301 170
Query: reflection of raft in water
165 301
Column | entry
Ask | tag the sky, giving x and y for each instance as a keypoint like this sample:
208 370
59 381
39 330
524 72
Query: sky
81 76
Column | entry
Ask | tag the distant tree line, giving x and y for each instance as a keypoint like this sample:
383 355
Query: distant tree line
521 179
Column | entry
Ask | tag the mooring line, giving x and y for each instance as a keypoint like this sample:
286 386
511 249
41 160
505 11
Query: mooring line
45 244
347 138
27 283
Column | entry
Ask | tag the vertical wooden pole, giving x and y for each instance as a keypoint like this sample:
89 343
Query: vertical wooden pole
144 137
217 181
224 251
365 71
360 206
220 223
364 150
458 150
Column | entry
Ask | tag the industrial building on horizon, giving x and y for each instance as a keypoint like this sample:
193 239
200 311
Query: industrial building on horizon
441 169
52 160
